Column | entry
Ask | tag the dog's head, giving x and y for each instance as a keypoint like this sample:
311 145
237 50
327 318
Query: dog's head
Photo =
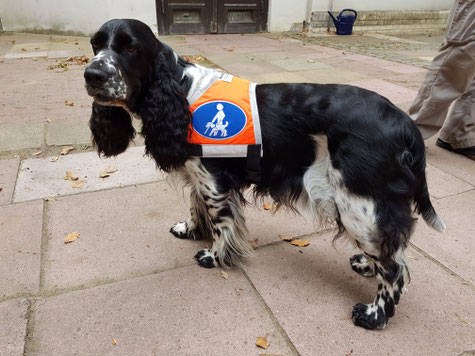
133 72
124 53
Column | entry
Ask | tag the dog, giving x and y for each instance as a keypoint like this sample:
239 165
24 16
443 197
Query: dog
346 154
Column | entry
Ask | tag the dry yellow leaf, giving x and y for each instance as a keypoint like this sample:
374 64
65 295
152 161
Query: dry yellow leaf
286 238
68 103
267 206
66 150
70 176
49 121
300 243
111 170
50 199
114 342
262 342
73 236
104 174
36 154
77 184
224 274
54 159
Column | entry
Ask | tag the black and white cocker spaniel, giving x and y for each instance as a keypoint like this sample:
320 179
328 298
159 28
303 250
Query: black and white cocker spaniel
346 154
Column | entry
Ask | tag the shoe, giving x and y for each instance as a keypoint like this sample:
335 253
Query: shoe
468 151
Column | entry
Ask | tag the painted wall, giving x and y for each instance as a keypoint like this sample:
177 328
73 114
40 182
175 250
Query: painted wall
85 16
284 13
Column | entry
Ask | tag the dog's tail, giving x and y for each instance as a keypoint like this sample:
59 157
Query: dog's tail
425 208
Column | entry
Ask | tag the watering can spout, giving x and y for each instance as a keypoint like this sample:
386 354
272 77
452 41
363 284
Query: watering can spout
344 22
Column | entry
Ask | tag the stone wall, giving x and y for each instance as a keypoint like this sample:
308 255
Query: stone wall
386 21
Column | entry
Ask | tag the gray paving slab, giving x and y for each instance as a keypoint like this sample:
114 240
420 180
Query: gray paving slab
43 177
13 321
331 75
299 64
185 311
455 247
451 163
8 174
20 248
442 184
125 232
277 77
21 136
68 133
311 292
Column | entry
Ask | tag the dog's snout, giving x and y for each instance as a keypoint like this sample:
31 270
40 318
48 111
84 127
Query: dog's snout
95 76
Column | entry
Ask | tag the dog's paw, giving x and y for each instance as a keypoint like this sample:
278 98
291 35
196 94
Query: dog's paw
369 316
180 230
206 258
361 265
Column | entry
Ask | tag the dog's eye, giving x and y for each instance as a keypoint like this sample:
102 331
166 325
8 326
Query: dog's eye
131 49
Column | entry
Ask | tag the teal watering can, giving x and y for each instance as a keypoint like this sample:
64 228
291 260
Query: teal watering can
344 23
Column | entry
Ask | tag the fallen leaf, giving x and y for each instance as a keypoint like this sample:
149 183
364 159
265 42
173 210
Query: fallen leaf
84 106
104 174
73 236
111 170
262 342
286 238
310 61
36 154
68 103
300 243
49 121
23 49
50 199
267 206
54 159
13 42
114 342
66 150
70 176
224 274
77 184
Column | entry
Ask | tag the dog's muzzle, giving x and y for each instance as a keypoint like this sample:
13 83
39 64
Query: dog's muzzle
104 81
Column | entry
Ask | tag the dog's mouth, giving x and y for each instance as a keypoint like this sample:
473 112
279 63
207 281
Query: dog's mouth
101 97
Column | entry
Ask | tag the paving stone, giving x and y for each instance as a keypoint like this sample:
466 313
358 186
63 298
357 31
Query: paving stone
332 75
125 232
185 311
449 162
20 248
63 133
279 77
8 174
21 136
244 70
455 247
312 294
395 93
442 184
13 327
299 64
40 177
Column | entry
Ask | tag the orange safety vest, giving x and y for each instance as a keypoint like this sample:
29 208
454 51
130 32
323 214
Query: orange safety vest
225 121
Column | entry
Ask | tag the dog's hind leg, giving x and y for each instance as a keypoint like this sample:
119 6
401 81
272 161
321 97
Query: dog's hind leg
382 240
195 226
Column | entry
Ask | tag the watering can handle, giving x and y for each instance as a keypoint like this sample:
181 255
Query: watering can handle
342 11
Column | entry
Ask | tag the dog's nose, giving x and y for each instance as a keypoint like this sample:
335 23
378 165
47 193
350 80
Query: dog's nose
95 77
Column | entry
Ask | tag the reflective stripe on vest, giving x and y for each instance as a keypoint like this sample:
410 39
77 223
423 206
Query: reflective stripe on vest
225 118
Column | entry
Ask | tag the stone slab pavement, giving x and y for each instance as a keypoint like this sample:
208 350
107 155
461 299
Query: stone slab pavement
127 287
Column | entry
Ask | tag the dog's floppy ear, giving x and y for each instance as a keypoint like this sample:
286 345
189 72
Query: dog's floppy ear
163 109
111 128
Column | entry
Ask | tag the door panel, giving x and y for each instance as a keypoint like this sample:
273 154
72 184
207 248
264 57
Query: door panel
211 16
